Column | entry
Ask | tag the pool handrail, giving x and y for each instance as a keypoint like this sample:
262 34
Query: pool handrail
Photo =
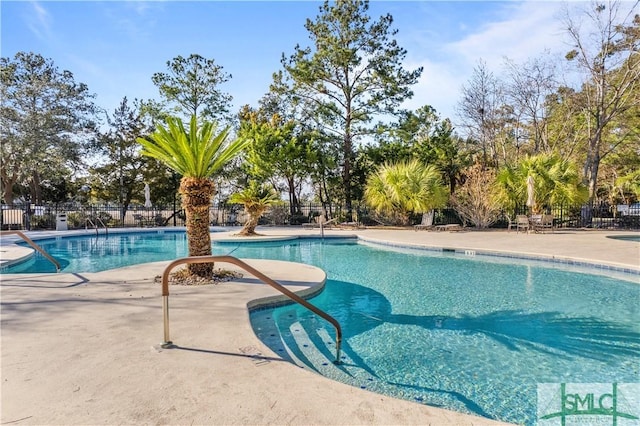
94 225
262 277
34 245
322 224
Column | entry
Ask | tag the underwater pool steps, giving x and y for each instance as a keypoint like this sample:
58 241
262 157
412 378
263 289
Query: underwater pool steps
167 343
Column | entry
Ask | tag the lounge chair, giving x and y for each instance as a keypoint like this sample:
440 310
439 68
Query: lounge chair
312 224
144 221
521 222
451 227
350 225
317 222
545 222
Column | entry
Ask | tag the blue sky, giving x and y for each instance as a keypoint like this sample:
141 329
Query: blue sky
115 46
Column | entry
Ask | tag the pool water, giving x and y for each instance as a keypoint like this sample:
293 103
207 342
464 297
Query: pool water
101 253
464 333
468 333
635 238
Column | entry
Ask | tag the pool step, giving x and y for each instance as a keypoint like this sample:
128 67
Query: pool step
311 345
316 350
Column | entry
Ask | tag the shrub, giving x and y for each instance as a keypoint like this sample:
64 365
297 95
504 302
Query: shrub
476 200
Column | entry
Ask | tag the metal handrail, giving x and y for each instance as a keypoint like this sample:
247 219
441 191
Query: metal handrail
235 261
325 223
34 245
106 230
88 220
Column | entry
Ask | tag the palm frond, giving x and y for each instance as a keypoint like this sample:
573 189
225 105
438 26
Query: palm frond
198 152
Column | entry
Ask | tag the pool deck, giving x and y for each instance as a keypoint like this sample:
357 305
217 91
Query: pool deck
84 348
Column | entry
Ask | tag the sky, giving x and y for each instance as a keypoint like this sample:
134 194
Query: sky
114 47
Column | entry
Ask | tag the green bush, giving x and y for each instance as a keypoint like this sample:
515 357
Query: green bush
75 220
298 219
105 217
46 221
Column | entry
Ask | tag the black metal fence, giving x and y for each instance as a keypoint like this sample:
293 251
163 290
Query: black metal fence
74 216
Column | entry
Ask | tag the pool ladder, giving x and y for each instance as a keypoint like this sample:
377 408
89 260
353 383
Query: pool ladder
88 221
167 343
34 245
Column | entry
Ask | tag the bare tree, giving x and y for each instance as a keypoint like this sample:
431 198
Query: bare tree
529 84
481 111
607 53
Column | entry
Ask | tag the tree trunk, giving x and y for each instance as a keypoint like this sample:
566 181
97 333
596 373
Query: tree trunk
7 188
249 227
592 175
592 163
294 208
346 177
196 199
36 189
254 213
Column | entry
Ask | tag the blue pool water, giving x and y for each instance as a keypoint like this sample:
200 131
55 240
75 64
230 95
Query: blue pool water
468 333
635 238
95 254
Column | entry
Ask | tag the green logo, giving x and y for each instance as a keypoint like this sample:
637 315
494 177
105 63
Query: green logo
589 404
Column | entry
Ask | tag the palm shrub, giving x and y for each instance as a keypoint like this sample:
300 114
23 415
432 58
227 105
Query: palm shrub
256 199
196 154
556 181
404 188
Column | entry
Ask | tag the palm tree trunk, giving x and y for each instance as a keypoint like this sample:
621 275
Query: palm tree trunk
254 214
196 199
250 226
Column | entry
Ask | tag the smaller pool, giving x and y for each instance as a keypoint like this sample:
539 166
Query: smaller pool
625 237
100 253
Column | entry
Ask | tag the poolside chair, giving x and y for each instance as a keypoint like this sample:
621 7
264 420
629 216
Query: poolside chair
545 222
350 225
451 227
314 222
521 222
144 221
319 222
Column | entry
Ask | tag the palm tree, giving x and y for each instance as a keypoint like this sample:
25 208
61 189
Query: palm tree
406 187
196 155
256 200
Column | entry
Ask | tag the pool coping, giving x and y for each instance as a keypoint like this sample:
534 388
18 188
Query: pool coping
538 257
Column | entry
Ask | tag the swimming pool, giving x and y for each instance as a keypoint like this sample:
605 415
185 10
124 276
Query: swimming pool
635 238
101 253
468 333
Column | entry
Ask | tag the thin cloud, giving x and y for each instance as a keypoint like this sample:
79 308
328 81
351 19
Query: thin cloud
39 22
438 86
135 12
528 29
521 31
